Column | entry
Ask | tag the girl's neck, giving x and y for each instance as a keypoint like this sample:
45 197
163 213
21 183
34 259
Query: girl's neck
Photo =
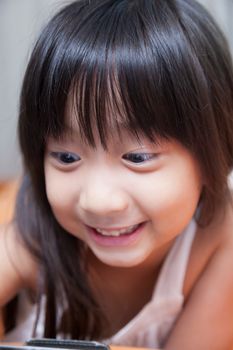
127 289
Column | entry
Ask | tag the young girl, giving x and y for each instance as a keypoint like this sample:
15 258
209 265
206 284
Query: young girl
124 220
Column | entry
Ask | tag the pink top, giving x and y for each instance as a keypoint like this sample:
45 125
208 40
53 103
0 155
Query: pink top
153 323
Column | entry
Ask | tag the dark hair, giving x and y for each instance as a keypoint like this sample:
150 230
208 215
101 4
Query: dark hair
155 67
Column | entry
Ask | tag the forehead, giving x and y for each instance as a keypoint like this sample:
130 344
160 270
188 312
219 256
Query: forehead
116 144
114 139
93 124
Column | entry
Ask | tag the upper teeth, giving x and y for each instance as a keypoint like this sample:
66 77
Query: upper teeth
117 232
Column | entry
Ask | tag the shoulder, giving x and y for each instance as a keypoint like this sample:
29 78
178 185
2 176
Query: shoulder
213 243
18 269
208 290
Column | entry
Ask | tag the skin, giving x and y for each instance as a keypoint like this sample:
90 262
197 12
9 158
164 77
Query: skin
103 189
114 192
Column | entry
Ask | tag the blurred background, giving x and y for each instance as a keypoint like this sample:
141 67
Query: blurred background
20 22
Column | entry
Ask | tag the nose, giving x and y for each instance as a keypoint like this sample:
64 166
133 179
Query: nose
102 199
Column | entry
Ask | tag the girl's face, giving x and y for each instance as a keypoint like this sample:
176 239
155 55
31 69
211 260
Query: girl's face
125 203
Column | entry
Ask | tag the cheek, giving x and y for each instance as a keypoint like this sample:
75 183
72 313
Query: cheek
61 194
171 190
59 191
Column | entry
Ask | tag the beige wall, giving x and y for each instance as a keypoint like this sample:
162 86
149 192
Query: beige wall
20 21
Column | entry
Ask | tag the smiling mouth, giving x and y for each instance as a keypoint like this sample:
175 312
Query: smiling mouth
117 232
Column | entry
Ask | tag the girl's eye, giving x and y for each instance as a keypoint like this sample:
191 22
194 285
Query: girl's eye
139 157
65 157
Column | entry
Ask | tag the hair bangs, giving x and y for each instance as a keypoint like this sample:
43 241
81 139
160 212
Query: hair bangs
127 79
109 70
119 71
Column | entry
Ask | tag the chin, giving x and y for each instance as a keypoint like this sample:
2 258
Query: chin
118 260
